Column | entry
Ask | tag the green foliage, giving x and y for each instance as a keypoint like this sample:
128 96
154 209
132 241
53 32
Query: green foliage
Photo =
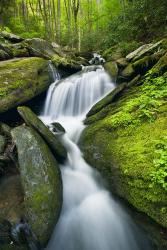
159 176
138 21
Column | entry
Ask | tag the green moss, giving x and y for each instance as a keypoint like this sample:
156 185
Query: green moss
22 79
121 143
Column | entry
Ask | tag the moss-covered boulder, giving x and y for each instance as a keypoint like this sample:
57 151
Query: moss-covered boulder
112 68
66 64
41 180
127 141
21 80
51 139
42 48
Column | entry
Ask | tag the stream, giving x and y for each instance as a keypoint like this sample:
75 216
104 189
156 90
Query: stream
91 219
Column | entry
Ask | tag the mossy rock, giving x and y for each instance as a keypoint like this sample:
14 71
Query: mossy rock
3 55
66 64
11 37
122 142
128 73
41 48
41 181
21 80
112 69
52 140
142 65
160 67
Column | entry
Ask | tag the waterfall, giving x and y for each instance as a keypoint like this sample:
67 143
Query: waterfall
91 219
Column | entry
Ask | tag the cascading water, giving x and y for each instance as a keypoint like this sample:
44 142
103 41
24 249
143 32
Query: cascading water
90 219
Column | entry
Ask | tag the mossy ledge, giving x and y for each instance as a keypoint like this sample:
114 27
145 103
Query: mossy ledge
126 141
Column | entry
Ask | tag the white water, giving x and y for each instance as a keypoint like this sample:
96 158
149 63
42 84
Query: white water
90 219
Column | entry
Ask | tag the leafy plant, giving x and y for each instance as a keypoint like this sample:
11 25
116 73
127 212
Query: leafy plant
159 176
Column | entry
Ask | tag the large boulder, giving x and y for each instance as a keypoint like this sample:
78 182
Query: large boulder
52 140
127 141
41 181
42 48
21 80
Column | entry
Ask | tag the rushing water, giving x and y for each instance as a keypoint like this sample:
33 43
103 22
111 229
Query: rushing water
90 219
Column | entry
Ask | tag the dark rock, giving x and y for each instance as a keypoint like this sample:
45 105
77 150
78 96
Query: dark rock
52 140
58 128
41 180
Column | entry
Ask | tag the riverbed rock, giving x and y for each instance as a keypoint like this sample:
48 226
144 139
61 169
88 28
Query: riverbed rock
41 181
52 140
127 144
21 80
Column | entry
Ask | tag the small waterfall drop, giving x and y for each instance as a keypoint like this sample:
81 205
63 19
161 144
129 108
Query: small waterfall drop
91 219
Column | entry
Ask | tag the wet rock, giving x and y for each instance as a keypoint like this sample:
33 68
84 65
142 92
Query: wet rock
2 143
21 80
52 140
58 128
112 69
41 180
